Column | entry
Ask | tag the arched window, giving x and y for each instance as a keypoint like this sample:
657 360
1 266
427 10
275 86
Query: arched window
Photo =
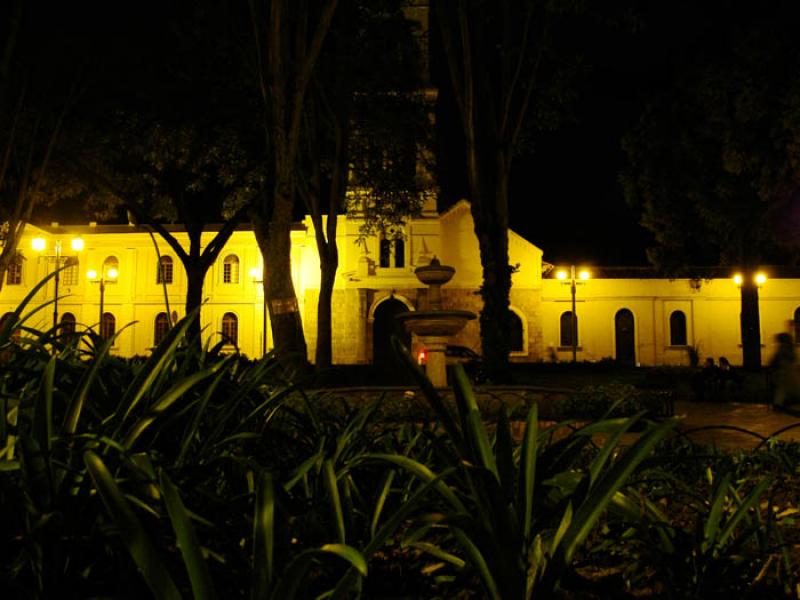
67 323
797 325
111 262
386 253
392 250
516 337
69 276
677 328
160 328
14 271
164 270
399 253
568 338
108 326
230 269
230 329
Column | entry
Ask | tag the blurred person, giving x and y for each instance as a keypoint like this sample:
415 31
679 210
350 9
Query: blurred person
784 374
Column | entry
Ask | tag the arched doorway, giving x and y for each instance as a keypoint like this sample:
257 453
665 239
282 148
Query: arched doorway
625 337
383 328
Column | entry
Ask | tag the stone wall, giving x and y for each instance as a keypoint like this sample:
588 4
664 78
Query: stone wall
352 333
348 335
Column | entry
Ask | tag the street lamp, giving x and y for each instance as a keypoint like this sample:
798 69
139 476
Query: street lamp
254 273
750 318
107 276
40 245
573 279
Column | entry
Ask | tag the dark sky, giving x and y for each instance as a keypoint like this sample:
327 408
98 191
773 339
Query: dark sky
566 198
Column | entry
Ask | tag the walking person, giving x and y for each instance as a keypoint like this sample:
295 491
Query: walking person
784 373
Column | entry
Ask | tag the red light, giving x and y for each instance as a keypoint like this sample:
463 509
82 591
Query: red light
422 357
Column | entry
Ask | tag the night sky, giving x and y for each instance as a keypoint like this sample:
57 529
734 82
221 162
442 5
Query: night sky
566 198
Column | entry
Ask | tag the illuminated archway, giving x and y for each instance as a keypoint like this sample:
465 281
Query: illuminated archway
384 326
625 337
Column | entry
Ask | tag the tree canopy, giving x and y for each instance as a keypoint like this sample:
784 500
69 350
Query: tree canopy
713 162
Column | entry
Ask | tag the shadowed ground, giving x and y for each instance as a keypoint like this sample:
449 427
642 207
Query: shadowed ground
702 421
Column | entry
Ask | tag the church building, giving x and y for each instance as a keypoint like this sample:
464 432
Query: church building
119 282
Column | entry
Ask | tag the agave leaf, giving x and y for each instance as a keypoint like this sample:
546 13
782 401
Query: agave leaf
606 426
136 540
5 419
78 400
199 577
566 521
439 553
263 536
191 431
471 416
422 472
248 385
349 554
430 393
36 473
43 412
478 561
504 453
610 445
14 320
331 485
304 467
749 502
711 526
537 564
527 471
390 526
170 397
153 368
601 494
289 584
355 427
380 502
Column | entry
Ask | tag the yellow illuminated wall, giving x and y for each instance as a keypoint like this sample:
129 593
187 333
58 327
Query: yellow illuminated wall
362 285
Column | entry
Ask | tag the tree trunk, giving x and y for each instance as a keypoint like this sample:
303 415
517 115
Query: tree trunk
491 229
750 323
329 263
196 270
274 240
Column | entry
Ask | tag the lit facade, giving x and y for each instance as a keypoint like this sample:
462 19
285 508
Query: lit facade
634 319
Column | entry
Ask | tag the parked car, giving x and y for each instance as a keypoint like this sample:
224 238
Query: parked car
471 360
460 354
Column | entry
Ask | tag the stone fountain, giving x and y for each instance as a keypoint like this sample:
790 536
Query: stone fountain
436 325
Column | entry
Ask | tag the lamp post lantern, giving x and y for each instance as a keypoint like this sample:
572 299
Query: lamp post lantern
254 273
573 279
40 245
106 277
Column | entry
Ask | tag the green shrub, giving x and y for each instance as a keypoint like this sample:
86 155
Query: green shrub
613 400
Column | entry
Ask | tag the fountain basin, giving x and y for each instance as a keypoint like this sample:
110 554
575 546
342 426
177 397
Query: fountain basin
435 323
434 273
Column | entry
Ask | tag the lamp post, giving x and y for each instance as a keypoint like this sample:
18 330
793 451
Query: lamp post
40 245
106 277
750 318
254 273
573 279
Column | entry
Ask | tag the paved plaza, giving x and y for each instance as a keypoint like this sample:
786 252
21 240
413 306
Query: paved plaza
701 421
